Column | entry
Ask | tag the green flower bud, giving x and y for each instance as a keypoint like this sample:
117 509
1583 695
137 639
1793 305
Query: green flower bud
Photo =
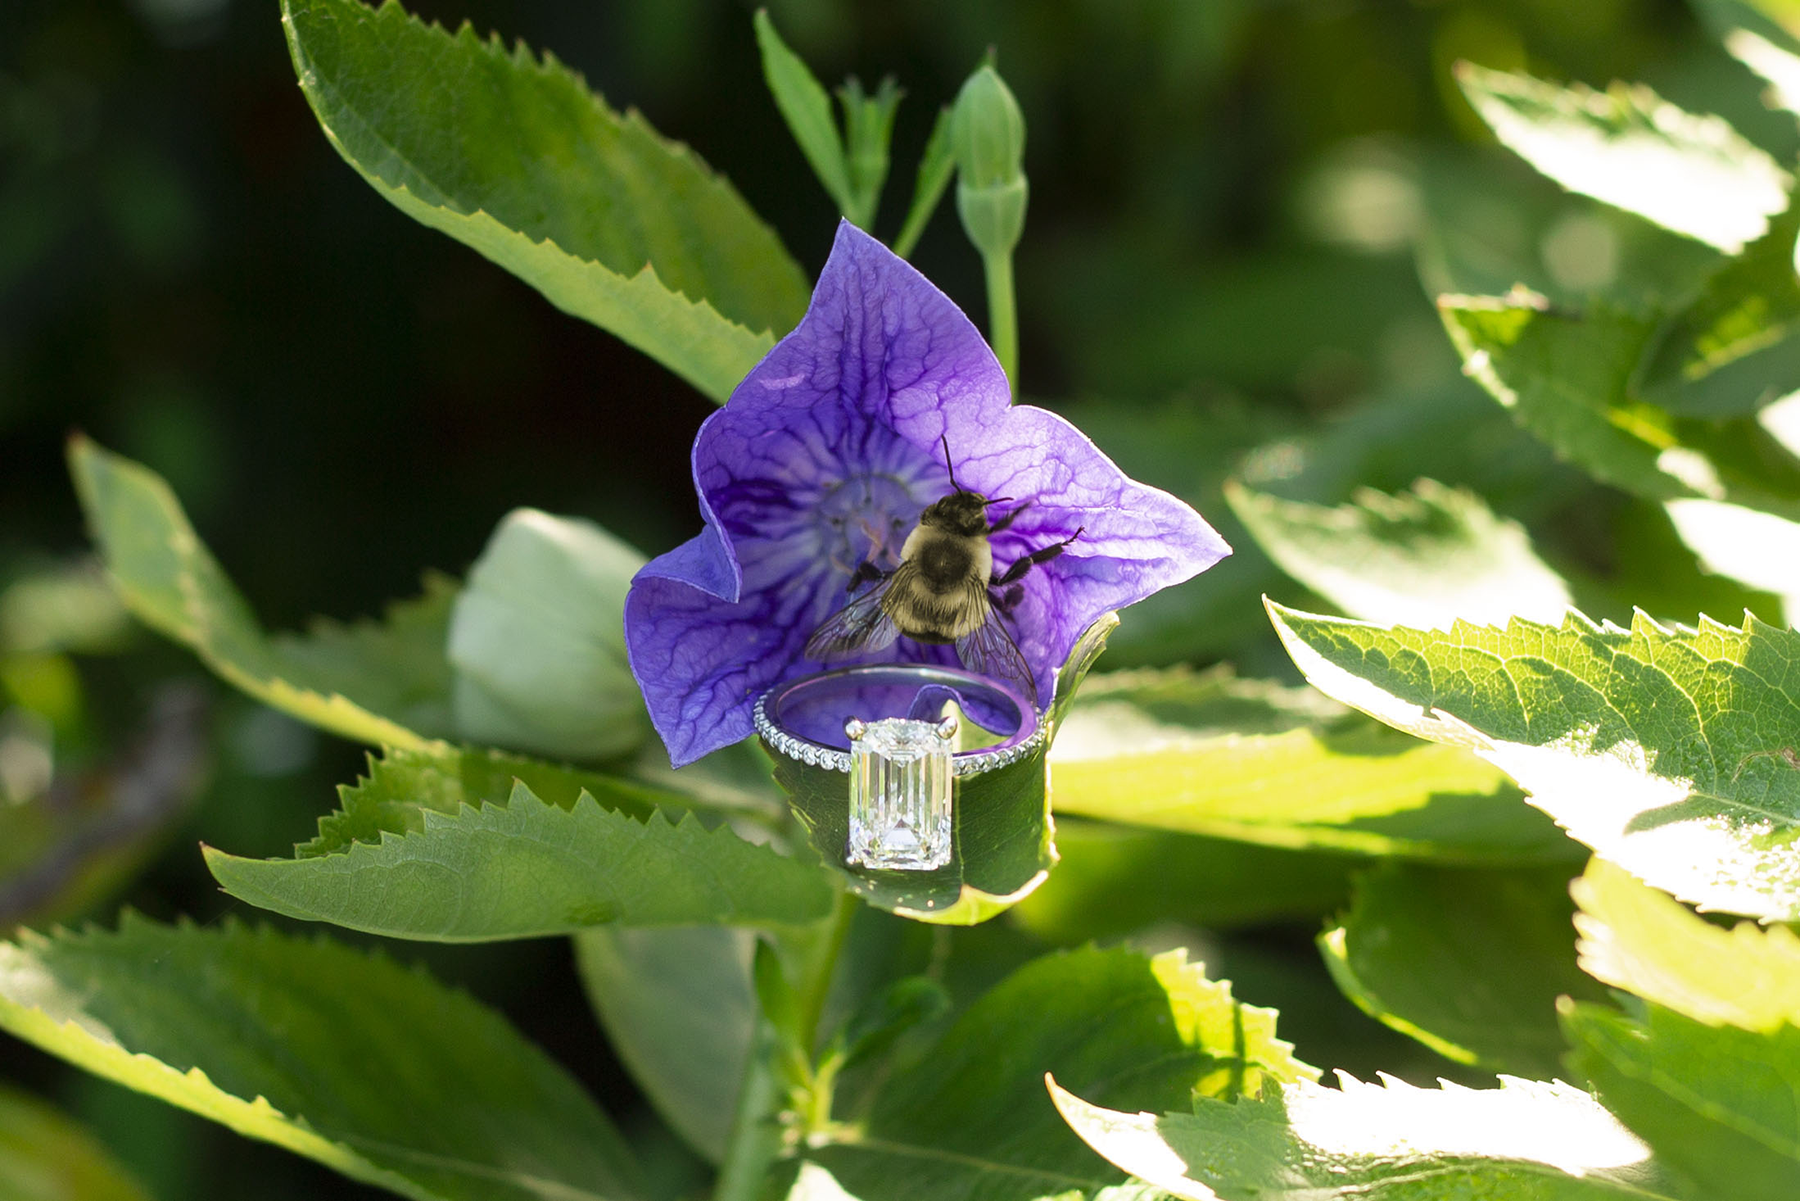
991 190
990 132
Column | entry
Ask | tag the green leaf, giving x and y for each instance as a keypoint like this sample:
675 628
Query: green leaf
1630 148
1208 754
970 1117
806 108
1069 677
514 156
530 869
1379 1142
45 1156
1470 963
1669 752
1636 938
537 640
678 1009
370 1068
1424 557
1715 1103
1003 841
1111 881
1566 378
384 684
937 167
60 607
404 785
1735 347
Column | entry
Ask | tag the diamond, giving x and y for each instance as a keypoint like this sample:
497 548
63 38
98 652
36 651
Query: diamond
900 792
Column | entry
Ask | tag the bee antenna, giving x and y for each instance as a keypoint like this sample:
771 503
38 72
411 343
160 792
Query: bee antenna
948 466
999 500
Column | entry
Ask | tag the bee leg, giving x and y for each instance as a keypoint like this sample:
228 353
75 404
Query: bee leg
1004 602
1025 563
1007 520
864 573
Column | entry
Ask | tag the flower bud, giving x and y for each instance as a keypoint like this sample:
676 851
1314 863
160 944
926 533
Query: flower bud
991 190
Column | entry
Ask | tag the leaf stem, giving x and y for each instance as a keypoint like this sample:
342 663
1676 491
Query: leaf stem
1003 327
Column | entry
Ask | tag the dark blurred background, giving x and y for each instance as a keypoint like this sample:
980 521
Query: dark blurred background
1238 211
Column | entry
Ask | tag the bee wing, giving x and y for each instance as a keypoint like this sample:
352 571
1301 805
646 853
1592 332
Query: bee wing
988 650
862 625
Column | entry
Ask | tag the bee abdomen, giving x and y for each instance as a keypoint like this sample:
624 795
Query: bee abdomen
925 615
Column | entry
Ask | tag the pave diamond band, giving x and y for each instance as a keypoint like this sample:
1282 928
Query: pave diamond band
773 726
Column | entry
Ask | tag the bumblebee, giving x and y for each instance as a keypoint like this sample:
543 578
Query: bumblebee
943 592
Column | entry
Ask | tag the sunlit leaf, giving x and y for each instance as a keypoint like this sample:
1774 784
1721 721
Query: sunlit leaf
678 1009
370 1068
1735 347
1254 762
1636 938
970 1118
1115 880
530 869
1628 147
1778 64
1470 963
46 1156
1758 549
537 641
1378 1142
1669 751
1716 1103
386 684
1776 20
1424 557
1566 377
514 156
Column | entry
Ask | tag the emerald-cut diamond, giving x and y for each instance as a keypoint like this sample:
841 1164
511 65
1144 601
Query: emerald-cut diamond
900 781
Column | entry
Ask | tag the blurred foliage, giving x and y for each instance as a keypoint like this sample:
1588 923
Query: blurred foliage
1239 211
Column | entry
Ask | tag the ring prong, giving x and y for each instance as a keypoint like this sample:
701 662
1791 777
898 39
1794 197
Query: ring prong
946 729
854 729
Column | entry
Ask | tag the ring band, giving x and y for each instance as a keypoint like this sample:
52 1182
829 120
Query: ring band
785 726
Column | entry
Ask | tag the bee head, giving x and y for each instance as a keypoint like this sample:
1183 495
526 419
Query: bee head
963 513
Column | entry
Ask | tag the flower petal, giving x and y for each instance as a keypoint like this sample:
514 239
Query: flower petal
700 656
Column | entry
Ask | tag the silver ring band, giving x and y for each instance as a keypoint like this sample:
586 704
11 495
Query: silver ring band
773 709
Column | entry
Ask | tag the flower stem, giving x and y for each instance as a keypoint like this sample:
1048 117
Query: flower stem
815 987
1003 326
755 1139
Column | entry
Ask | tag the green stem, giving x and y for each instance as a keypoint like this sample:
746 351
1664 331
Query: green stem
1003 325
755 1140
815 987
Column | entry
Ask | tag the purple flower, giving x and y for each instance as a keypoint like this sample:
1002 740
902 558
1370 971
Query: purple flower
824 458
